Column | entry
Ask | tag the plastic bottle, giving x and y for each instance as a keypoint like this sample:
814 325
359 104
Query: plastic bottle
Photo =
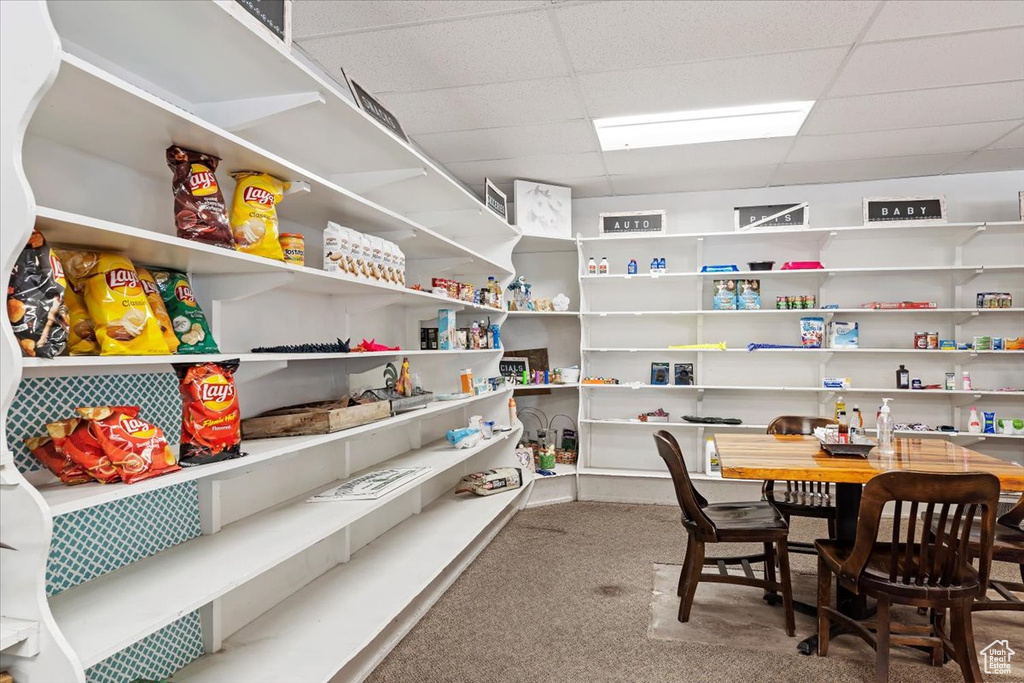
885 432
512 411
840 407
974 424
602 268
856 425
631 267
844 427
466 381
967 381
902 378
591 267
711 465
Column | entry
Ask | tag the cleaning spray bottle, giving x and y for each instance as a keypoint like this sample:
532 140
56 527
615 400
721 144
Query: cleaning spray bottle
973 423
885 429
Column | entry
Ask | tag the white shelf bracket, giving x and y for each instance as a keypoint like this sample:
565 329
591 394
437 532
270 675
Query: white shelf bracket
826 240
961 401
371 181
971 235
250 372
209 506
399 236
970 276
238 115
435 219
235 287
964 318
297 187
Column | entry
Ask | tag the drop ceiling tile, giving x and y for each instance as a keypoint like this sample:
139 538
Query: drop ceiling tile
549 168
567 137
892 143
720 83
992 160
712 155
1014 139
983 57
317 17
483 106
619 35
487 49
917 108
865 169
693 181
909 18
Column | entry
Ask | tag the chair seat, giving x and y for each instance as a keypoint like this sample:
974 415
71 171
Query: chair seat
754 519
875 578
1007 544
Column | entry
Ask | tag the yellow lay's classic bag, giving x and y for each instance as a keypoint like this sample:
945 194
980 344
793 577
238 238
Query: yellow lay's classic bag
156 304
254 214
82 331
124 322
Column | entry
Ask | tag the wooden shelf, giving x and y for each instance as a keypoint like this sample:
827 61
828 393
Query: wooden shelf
333 618
140 598
63 499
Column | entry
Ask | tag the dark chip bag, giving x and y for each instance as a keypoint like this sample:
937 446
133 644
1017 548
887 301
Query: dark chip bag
199 210
35 300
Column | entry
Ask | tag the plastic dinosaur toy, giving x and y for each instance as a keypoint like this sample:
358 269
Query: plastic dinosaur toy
372 345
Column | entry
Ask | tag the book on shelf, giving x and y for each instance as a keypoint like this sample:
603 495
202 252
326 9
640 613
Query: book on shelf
370 486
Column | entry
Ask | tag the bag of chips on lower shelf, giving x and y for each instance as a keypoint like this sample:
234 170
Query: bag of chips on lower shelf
211 425
35 300
45 451
137 449
491 481
73 438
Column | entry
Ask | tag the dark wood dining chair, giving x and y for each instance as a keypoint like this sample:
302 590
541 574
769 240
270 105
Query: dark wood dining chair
1007 546
933 571
753 522
802 498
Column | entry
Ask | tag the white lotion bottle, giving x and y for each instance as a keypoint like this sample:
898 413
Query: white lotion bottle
973 423
886 445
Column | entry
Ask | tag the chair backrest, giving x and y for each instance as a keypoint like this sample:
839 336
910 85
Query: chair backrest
690 501
798 424
941 559
1014 517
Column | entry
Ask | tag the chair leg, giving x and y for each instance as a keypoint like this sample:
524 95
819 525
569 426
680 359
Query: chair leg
684 571
935 618
693 570
769 566
787 587
824 601
882 641
832 528
962 635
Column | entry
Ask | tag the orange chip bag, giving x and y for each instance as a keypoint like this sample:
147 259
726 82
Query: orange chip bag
60 464
156 304
211 426
254 213
73 438
124 322
136 448
81 331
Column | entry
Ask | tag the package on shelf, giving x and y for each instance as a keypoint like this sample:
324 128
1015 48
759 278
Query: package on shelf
725 295
35 300
489 295
253 217
994 300
363 256
749 298
446 329
843 335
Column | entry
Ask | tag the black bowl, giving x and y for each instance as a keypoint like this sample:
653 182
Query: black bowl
761 265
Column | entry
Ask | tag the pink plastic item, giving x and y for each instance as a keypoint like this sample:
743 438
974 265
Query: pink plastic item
802 265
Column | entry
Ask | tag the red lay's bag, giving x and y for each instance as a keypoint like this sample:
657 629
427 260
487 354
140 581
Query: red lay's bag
136 448
73 439
45 451
210 417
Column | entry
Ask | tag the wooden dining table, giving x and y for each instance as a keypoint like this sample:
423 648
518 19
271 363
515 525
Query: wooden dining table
800 458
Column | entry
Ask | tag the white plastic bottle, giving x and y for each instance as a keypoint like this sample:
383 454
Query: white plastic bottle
711 465
602 267
974 424
967 381
591 267
886 445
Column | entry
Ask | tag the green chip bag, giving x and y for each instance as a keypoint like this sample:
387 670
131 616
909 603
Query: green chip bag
186 316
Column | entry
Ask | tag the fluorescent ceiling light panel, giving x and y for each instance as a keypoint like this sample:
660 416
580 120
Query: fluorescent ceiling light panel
782 119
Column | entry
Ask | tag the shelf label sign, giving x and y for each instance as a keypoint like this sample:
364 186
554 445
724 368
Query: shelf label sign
771 216
495 199
377 111
270 13
513 367
905 210
630 222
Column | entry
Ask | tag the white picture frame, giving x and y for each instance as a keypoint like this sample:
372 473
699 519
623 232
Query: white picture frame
543 210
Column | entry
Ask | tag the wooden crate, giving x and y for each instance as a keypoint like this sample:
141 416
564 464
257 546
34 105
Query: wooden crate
321 417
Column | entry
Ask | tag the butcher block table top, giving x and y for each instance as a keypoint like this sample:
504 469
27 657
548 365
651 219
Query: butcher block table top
800 458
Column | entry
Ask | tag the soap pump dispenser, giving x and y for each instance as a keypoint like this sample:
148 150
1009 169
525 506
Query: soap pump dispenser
886 444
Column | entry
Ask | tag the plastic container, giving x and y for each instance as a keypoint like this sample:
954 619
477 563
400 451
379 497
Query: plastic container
973 423
886 441
712 467
760 265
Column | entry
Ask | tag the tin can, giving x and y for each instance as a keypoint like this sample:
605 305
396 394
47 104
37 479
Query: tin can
920 340
915 383
950 381
809 300
933 340
793 301
293 245
781 302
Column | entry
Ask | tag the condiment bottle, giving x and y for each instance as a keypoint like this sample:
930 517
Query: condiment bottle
856 423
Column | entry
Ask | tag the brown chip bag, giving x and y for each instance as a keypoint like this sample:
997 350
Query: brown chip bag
199 209
81 331
35 300
159 310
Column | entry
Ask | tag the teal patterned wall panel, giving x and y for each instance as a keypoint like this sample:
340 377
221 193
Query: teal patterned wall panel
91 542
44 399
155 657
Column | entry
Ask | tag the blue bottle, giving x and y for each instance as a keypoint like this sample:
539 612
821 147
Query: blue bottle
631 268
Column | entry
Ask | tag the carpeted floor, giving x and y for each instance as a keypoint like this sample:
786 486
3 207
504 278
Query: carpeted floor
563 593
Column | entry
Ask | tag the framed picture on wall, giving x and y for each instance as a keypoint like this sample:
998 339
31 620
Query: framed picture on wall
543 210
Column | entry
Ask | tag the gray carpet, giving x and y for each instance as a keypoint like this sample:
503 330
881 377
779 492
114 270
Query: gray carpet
563 593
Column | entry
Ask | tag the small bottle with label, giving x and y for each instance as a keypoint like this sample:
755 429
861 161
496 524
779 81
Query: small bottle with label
967 381
856 425
602 268
844 427
662 268
902 378
631 267
591 267
712 467
886 440
974 424
840 408
654 265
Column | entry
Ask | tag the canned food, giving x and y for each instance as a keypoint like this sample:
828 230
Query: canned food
915 383
950 381
920 340
809 301
293 245
933 340
781 302
793 301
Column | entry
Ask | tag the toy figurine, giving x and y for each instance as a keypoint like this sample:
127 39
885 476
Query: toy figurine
520 289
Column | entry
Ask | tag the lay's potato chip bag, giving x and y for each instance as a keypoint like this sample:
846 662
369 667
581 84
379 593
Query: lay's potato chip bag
156 303
81 332
254 214
124 322
187 319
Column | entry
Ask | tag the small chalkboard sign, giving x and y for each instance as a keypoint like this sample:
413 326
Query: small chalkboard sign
514 367
375 109
495 199
630 222
771 216
270 13
905 210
